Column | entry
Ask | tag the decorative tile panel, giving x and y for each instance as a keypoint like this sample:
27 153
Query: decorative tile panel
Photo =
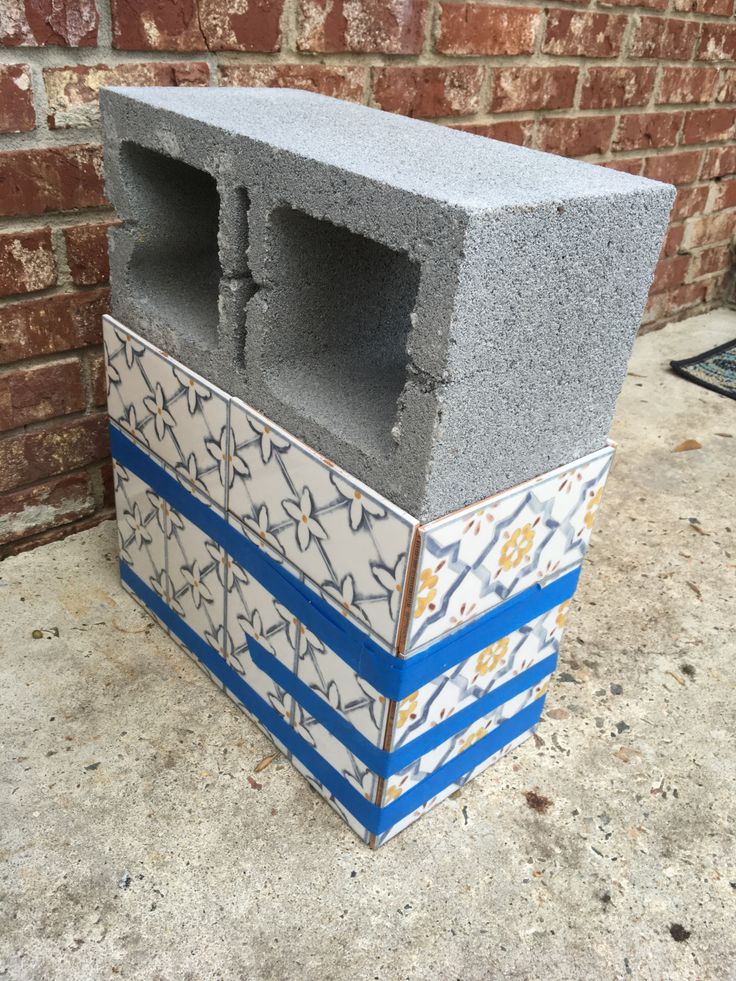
463 684
346 541
175 414
475 559
142 528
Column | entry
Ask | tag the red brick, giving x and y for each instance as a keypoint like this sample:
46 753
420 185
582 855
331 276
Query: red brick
640 131
97 378
725 195
652 4
689 201
341 82
188 25
35 23
718 42
17 114
516 89
57 448
364 26
60 178
108 484
574 136
663 305
717 260
428 92
670 273
48 505
609 88
56 534
727 86
588 35
627 166
657 37
711 229
716 8
86 253
673 240
52 324
683 85
709 125
518 131
42 392
719 163
477 29
72 93
27 261
674 168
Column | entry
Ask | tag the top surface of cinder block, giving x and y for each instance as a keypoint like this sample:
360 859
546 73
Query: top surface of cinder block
456 168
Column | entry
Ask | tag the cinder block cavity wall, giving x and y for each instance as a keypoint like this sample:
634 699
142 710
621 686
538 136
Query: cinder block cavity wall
648 88
441 333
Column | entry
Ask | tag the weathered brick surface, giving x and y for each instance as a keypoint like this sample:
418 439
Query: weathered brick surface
28 457
34 23
477 29
60 178
642 86
666 39
17 114
196 25
428 92
73 93
570 32
27 261
709 125
50 504
364 26
42 392
609 88
640 131
575 136
52 324
684 85
516 89
86 253
342 82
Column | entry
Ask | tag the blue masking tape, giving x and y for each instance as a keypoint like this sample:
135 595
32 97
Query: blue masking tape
391 676
381 761
375 819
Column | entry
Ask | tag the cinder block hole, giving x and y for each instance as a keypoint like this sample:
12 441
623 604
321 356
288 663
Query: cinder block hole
175 267
339 314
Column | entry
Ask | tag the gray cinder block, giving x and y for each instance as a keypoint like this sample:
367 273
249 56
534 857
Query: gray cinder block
441 314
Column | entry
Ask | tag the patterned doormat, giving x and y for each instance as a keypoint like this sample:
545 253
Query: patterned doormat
715 369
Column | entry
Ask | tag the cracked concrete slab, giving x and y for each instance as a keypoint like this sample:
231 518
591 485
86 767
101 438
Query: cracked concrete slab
150 832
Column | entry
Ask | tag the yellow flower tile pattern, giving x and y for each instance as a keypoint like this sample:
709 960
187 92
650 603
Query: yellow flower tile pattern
480 557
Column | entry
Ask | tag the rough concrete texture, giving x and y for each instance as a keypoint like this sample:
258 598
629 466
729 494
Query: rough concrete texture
441 314
147 836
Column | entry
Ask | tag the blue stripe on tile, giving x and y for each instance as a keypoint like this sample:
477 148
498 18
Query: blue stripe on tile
392 676
381 761
374 818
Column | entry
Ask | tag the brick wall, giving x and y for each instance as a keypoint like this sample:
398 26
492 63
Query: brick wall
647 86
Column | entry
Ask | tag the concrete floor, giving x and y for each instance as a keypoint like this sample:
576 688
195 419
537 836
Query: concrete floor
140 841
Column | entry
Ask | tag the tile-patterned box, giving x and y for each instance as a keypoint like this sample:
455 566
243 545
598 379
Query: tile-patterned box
390 661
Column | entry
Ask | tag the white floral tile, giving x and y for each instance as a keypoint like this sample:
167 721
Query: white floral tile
476 676
141 520
335 804
175 414
347 542
479 557
197 577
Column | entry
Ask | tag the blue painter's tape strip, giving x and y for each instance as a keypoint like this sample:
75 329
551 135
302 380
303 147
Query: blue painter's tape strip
374 818
383 762
391 676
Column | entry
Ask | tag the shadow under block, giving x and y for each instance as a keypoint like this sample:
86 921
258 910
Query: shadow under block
443 315
391 661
